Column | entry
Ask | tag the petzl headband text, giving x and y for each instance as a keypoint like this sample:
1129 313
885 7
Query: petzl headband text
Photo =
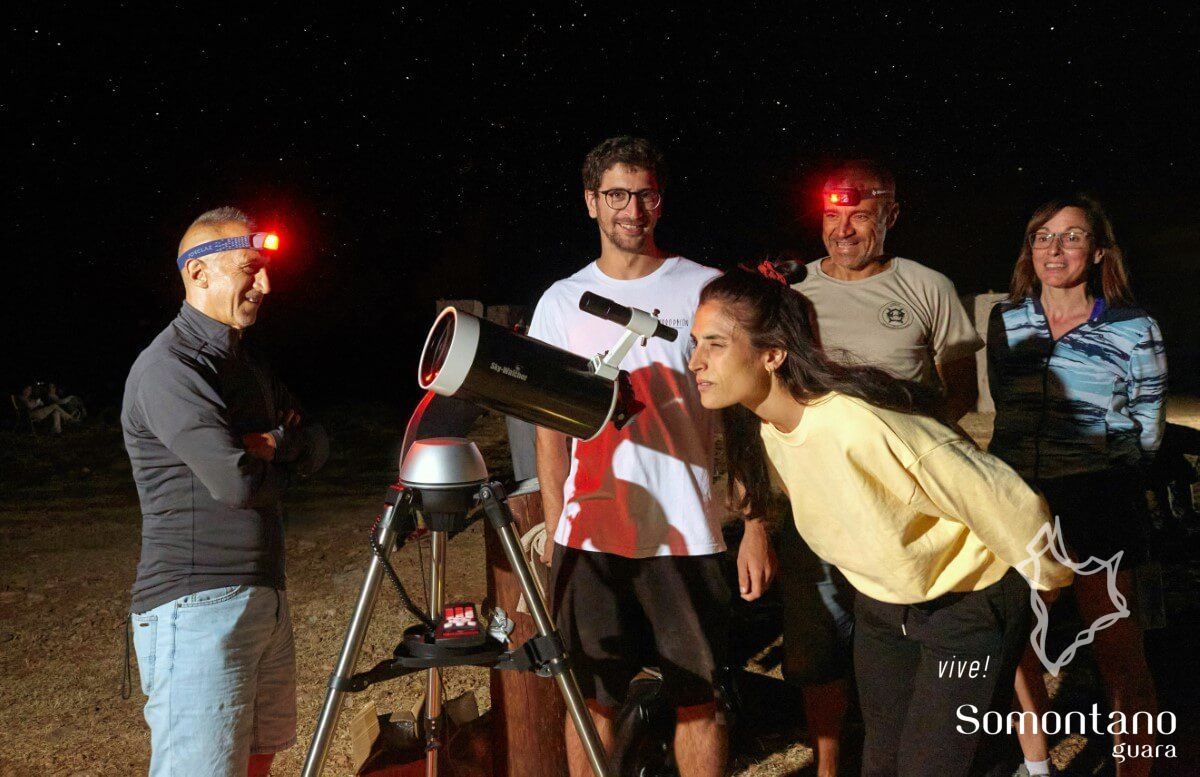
259 241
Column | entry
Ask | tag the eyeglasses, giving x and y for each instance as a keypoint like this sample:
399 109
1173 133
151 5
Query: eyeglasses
1072 238
618 199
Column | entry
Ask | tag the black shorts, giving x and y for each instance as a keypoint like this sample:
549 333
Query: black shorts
1101 513
618 615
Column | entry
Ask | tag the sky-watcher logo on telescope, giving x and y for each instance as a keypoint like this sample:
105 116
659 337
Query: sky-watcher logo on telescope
1049 538
512 372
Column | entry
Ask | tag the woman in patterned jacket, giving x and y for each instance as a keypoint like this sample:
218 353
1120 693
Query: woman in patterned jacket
1078 375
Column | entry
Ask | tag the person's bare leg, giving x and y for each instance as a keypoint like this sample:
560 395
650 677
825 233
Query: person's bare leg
1031 697
577 758
701 742
824 709
1121 658
260 765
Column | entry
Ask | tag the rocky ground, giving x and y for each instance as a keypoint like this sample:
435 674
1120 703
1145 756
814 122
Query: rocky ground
69 539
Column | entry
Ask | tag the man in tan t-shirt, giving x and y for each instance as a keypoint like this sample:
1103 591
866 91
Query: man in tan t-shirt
868 307
883 310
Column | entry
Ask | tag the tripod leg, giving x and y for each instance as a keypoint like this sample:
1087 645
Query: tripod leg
559 667
433 687
318 748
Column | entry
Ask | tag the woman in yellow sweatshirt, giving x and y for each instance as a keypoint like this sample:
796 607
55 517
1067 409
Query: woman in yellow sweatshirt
927 527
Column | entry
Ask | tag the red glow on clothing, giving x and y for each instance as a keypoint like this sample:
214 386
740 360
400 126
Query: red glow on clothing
607 505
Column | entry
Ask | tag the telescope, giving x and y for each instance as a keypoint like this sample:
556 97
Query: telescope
443 479
494 367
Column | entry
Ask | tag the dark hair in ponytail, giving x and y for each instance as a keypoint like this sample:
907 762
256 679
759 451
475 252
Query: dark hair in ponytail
775 316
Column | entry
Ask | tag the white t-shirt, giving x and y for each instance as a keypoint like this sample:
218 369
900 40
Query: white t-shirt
905 319
645 490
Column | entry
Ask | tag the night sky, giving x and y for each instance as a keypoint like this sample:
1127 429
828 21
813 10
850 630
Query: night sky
412 154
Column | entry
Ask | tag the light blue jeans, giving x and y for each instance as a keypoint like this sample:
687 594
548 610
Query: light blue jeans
219 668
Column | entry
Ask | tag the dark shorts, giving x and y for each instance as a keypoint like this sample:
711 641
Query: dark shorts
618 615
1101 514
818 613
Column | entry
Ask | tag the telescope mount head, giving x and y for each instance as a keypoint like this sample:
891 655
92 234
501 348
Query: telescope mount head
445 473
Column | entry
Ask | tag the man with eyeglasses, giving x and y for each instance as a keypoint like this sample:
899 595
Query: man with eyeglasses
870 307
637 557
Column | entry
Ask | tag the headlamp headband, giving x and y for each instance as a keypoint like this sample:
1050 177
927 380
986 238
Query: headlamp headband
259 241
849 195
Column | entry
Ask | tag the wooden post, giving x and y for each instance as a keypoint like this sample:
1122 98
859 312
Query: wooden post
528 713
979 307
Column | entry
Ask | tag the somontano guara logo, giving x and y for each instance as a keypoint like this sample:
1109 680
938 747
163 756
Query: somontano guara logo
1094 723
1049 540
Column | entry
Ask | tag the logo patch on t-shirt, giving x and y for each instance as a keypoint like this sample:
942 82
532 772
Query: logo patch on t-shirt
895 315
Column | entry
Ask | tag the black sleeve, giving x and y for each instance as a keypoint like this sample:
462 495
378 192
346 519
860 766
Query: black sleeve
304 449
179 403
997 347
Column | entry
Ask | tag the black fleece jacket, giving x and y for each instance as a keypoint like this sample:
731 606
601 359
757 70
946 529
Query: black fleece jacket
211 512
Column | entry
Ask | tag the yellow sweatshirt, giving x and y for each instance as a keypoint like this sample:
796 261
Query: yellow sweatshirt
906 508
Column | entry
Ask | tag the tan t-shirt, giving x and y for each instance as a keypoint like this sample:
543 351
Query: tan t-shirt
904 320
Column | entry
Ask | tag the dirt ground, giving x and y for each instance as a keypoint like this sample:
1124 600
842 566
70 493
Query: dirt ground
69 542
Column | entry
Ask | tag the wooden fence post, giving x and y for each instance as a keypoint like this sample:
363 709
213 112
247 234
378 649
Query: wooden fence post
527 711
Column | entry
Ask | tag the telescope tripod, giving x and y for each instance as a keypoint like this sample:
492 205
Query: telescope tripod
434 644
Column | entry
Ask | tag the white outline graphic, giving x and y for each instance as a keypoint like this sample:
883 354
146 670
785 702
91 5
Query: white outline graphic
1050 538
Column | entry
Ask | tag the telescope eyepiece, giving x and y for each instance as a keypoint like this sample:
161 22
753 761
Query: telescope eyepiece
605 308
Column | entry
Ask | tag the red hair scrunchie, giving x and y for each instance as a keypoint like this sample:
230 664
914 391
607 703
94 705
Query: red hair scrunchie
767 270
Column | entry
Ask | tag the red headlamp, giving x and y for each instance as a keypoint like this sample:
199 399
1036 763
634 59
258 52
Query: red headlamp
259 241
848 195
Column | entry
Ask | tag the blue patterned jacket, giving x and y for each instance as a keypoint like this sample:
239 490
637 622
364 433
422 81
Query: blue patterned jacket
1093 400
